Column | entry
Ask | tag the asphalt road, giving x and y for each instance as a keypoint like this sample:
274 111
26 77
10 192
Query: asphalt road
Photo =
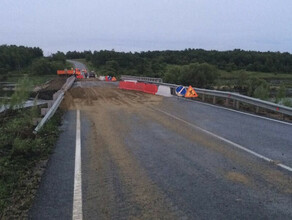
78 65
147 157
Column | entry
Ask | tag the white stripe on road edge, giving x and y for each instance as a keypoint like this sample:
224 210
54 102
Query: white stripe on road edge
77 199
226 140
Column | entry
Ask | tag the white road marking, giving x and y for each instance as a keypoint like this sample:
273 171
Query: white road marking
77 198
245 113
226 140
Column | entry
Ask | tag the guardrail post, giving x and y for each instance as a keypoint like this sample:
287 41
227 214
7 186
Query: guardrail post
237 104
203 97
226 101
214 99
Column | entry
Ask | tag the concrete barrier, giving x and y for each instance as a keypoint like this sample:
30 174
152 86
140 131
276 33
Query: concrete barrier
130 81
164 91
101 78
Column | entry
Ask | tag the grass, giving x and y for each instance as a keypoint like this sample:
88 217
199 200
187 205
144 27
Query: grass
261 75
14 76
36 80
20 152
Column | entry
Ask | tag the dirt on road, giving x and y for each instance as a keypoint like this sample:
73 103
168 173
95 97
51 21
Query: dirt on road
117 185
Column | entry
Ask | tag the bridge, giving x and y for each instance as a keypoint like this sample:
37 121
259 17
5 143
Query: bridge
130 155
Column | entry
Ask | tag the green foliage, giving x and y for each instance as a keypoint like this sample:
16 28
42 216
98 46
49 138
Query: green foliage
59 56
173 75
287 102
20 151
21 93
261 92
44 66
224 60
113 66
256 83
17 57
199 75
281 92
242 80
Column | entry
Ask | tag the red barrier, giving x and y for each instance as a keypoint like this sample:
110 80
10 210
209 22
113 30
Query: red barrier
121 84
143 87
140 87
127 85
151 88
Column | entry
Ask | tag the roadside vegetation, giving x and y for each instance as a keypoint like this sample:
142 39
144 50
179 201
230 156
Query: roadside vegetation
257 74
22 153
22 158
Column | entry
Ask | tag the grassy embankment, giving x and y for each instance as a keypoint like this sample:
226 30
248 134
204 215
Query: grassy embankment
22 154
22 158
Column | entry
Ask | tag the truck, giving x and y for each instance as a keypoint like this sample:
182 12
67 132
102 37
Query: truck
72 72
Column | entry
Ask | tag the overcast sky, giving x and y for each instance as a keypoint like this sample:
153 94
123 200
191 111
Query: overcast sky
141 25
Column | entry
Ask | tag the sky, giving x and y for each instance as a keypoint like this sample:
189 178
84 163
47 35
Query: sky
142 25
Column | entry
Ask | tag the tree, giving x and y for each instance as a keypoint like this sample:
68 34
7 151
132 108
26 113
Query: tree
59 56
199 75
173 75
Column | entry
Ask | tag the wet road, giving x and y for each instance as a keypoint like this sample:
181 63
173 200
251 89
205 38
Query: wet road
147 157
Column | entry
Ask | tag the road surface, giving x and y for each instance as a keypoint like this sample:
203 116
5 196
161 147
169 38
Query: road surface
150 157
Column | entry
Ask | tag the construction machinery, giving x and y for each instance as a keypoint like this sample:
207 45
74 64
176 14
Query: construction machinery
79 74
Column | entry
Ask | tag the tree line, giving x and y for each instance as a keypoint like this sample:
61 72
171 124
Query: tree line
14 57
152 61
29 60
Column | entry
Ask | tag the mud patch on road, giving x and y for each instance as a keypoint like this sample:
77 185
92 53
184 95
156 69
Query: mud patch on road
237 177
80 97
117 186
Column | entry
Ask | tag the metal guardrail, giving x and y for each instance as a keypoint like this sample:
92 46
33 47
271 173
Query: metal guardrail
50 113
56 104
238 98
138 78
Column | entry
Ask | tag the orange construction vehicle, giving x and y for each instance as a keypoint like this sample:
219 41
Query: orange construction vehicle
73 72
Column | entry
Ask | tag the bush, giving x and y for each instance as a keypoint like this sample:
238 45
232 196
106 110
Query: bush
261 92
287 102
260 85
44 67
199 75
